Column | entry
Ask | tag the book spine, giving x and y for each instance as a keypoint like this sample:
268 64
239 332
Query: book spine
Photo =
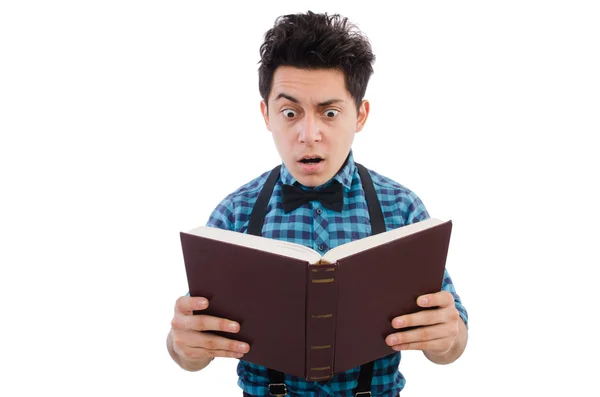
320 321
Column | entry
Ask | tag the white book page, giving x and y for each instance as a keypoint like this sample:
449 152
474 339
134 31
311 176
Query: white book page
279 247
356 246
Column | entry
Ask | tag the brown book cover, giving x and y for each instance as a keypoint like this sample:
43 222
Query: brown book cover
313 316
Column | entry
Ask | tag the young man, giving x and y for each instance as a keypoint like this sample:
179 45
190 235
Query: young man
312 78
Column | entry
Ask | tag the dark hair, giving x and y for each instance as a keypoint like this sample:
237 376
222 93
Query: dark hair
317 41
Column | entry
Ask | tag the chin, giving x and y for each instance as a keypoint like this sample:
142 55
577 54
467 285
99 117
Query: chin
312 180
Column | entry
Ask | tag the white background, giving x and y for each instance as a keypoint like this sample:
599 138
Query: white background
124 122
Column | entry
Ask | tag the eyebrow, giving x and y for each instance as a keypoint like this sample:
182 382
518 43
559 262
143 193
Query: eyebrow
321 104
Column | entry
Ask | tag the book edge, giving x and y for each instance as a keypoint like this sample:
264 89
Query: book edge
273 246
374 241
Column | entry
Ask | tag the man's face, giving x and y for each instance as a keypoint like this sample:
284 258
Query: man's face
313 120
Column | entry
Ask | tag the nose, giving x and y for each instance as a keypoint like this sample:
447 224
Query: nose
309 131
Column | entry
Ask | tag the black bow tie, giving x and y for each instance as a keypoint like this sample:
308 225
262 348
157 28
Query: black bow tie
331 197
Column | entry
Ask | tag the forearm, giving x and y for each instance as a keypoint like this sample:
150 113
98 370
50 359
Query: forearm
455 351
188 365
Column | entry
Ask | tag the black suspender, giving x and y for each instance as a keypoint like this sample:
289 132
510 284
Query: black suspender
375 214
257 217
277 386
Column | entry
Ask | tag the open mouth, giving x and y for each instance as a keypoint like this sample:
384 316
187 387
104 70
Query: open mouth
311 160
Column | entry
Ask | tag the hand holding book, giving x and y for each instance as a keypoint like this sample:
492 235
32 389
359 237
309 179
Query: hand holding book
193 345
436 330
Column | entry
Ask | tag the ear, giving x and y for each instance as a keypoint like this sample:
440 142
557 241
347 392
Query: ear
363 114
265 113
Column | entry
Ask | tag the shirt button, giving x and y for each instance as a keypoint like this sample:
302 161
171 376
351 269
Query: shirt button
319 211
322 247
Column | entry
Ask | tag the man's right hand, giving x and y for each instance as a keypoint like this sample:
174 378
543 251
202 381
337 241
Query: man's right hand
191 347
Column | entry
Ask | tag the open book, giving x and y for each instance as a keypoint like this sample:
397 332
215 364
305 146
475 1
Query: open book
313 315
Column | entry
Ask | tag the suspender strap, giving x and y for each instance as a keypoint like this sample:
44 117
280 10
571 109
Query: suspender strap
257 216
375 214
276 385
363 389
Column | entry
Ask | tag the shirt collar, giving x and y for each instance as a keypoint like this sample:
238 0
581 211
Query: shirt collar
344 175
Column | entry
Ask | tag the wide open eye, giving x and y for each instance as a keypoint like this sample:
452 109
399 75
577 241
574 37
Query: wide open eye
289 113
331 113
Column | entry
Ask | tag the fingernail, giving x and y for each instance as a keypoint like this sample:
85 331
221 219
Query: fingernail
243 347
424 301
393 340
398 323
202 302
233 326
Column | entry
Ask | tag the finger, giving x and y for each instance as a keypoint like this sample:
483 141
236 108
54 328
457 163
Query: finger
199 340
215 342
192 353
439 299
187 304
431 345
421 334
223 353
203 322
424 317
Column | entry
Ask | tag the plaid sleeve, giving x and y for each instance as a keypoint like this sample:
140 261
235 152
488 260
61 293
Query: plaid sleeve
416 211
447 285
223 217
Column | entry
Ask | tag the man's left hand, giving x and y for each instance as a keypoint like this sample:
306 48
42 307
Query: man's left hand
438 327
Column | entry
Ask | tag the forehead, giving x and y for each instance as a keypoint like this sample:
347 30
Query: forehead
312 85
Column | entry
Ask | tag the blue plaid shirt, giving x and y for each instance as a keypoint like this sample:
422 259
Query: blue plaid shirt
316 227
